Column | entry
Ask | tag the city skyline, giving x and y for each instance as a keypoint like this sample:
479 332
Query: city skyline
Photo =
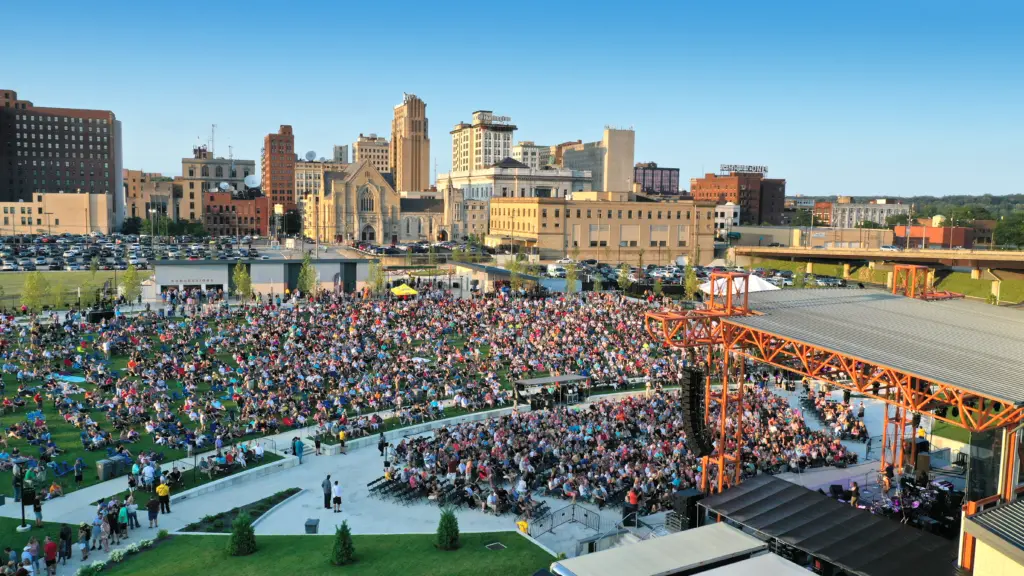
869 99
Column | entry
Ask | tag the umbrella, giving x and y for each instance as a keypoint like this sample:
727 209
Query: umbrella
403 290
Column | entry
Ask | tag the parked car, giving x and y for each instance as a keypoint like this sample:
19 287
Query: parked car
889 248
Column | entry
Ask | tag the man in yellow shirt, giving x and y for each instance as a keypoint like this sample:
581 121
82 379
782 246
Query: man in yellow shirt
341 441
164 492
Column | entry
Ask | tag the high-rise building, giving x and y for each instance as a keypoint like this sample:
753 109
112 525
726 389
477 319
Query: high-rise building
761 200
375 150
609 160
278 171
532 155
341 153
59 150
410 145
202 174
309 176
484 143
654 179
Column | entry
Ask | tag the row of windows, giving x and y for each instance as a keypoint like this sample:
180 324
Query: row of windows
73 154
63 119
667 215
28 221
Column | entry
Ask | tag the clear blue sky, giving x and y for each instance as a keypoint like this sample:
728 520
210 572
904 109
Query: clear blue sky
875 97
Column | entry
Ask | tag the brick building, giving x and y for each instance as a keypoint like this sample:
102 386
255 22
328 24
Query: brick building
822 213
278 170
934 237
761 200
234 214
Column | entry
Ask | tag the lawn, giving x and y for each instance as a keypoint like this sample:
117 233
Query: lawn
835 270
1010 290
385 555
10 537
944 430
11 283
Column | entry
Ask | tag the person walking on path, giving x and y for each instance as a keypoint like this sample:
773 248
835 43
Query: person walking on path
133 513
337 496
84 535
65 544
326 485
382 444
50 556
153 508
297 443
164 492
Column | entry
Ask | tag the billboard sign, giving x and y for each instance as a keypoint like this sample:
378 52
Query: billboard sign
744 168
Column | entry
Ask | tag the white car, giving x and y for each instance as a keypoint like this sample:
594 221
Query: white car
889 248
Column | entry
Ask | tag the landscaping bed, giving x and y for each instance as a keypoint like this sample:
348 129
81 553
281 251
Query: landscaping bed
221 523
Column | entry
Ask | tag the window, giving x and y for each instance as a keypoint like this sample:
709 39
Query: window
366 202
205 172
220 171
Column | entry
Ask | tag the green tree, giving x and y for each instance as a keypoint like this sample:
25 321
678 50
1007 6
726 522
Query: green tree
868 224
515 270
691 284
895 220
571 274
799 280
598 285
243 538
243 282
307 275
131 284
344 552
1010 230
57 295
376 278
448 530
624 281
33 293
657 286
94 267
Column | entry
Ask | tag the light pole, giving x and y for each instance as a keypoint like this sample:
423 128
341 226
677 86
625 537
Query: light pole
152 226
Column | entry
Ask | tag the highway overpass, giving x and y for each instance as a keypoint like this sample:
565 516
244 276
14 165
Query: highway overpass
976 259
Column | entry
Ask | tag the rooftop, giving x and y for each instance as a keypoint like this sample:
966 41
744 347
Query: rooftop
969 345
1005 523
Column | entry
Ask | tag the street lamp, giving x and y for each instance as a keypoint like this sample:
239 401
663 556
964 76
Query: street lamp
152 226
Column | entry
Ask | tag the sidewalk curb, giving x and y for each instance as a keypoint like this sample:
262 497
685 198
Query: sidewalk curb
283 464
267 514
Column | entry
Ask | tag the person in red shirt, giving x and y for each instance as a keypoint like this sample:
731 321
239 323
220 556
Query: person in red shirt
50 554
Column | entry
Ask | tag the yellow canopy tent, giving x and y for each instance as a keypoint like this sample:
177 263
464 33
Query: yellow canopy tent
403 290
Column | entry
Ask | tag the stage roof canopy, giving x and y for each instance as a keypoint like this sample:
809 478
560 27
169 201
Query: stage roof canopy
972 346
855 540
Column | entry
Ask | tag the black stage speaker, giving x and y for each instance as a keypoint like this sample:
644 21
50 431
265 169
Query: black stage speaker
691 392
836 490
684 503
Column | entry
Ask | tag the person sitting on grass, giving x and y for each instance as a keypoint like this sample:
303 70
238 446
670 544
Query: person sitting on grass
55 491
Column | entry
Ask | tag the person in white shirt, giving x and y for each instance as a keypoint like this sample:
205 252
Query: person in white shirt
336 496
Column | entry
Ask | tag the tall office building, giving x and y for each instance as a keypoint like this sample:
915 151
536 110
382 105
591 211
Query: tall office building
533 155
654 179
341 153
484 143
760 199
410 145
278 174
59 150
375 150
609 160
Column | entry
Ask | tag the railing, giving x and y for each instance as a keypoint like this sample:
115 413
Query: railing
571 513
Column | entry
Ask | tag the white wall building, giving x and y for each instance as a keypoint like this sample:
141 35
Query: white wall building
375 149
609 160
512 179
727 217
485 142
532 155
341 153
309 176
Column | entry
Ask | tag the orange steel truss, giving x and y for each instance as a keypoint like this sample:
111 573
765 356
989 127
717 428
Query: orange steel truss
911 280
904 393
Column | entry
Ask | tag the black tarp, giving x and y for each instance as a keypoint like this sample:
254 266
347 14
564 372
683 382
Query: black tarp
852 539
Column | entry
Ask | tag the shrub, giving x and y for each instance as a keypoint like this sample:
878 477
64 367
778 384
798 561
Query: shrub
146 543
218 524
161 534
448 530
117 554
132 548
344 552
243 538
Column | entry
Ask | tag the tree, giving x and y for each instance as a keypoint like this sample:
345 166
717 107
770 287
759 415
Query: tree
448 530
691 284
432 255
640 255
94 267
57 295
408 256
515 268
243 538
131 284
799 280
571 274
624 272
1010 230
344 551
132 225
598 285
806 218
376 278
869 225
307 275
33 293
657 286
243 282
895 220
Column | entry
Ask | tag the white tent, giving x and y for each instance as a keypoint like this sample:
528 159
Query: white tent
757 284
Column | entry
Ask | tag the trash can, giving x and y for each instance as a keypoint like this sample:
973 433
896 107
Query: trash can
120 467
3 500
104 470
312 526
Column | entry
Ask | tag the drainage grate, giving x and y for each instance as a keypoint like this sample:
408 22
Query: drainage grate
495 546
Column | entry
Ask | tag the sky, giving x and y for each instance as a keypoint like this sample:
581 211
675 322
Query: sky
887 98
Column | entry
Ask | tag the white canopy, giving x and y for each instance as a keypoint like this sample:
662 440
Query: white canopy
757 284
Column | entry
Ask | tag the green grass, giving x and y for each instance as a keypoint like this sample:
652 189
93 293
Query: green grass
1010 290
10 537
384 555
12 282
823 269
944 430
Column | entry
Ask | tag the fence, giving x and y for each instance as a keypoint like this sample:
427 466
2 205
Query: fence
571 513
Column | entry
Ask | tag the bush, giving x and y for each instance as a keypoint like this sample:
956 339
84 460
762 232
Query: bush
161 534
117 555
91 569
218 524
132 548
146 543
243 538
344 552
448 530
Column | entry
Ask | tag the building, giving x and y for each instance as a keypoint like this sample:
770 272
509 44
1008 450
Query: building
341 153
59 213
356 204
727 217
422 219
278 169
269 277
483 143
799 203
202 173
853 215
374 149
409 158
998 545
144 191
984 230
607 226
610 160
232 213
309 176
655 180
934 237
810 237
822 213
761 200
532 155
512 179
59 150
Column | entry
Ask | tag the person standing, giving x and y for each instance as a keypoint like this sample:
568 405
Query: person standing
153 508
133 513
50 556
336 492
65 544
854 494
382 444
298 449
163 491
316 442
79 468
326 485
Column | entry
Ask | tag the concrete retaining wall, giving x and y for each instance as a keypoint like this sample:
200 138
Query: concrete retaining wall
235 479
